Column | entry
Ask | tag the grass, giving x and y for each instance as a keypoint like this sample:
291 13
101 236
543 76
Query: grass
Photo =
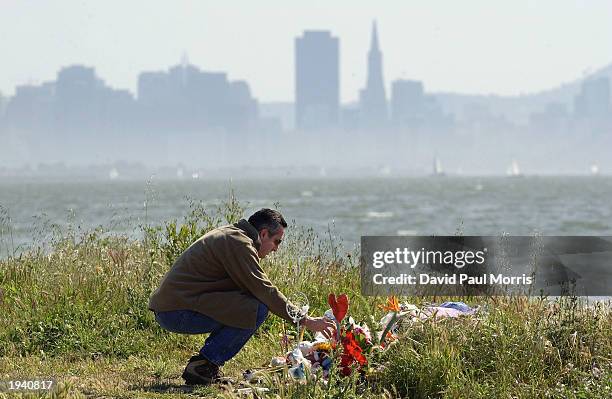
78 312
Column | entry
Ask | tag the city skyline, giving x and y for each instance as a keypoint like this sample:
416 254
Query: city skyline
188 99
78 119
472 48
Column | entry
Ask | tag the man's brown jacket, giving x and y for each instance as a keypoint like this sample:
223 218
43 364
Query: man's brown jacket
219 276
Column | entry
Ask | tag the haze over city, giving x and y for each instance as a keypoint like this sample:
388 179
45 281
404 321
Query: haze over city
397 88
468 47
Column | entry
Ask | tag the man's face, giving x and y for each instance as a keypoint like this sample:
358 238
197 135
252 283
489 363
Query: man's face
269 243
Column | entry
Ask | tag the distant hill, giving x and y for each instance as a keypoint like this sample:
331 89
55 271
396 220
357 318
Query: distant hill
517 108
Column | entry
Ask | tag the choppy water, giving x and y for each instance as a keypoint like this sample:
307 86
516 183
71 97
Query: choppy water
349 208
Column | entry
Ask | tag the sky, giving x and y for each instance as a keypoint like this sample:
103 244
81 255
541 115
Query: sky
505 47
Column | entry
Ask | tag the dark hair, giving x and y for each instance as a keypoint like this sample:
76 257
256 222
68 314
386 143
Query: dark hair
267 219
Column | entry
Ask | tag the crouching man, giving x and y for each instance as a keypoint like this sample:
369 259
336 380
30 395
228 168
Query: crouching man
217 286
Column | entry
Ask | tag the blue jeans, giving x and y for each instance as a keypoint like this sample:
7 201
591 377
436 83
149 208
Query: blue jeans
223 343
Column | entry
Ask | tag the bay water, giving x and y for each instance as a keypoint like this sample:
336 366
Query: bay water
345 208
33 213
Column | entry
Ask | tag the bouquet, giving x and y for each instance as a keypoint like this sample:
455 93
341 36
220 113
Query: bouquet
355 339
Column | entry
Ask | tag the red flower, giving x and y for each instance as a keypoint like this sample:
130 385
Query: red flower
352 353
338 305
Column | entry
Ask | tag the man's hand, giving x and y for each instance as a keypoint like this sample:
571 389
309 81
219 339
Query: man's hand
322 324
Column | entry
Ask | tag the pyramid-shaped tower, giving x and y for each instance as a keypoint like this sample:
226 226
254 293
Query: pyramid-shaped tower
373 100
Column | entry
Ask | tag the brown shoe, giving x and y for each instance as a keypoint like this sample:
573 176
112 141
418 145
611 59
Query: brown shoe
200 371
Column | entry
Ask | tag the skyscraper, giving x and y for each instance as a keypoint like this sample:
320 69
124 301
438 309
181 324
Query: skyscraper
372 98
77 97
187 98
407 102
317 80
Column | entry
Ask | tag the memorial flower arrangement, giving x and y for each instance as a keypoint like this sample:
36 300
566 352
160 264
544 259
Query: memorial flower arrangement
353 347
350 347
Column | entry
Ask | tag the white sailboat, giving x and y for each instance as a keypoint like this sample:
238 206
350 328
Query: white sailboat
514 170
437 167
385 170
595 169
113 174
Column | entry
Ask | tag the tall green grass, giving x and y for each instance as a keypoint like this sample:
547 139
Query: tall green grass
78 311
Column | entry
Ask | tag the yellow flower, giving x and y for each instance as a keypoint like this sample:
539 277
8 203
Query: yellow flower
322 346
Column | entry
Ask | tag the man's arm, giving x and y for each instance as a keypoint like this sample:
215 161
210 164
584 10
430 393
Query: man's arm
242 265
244 269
